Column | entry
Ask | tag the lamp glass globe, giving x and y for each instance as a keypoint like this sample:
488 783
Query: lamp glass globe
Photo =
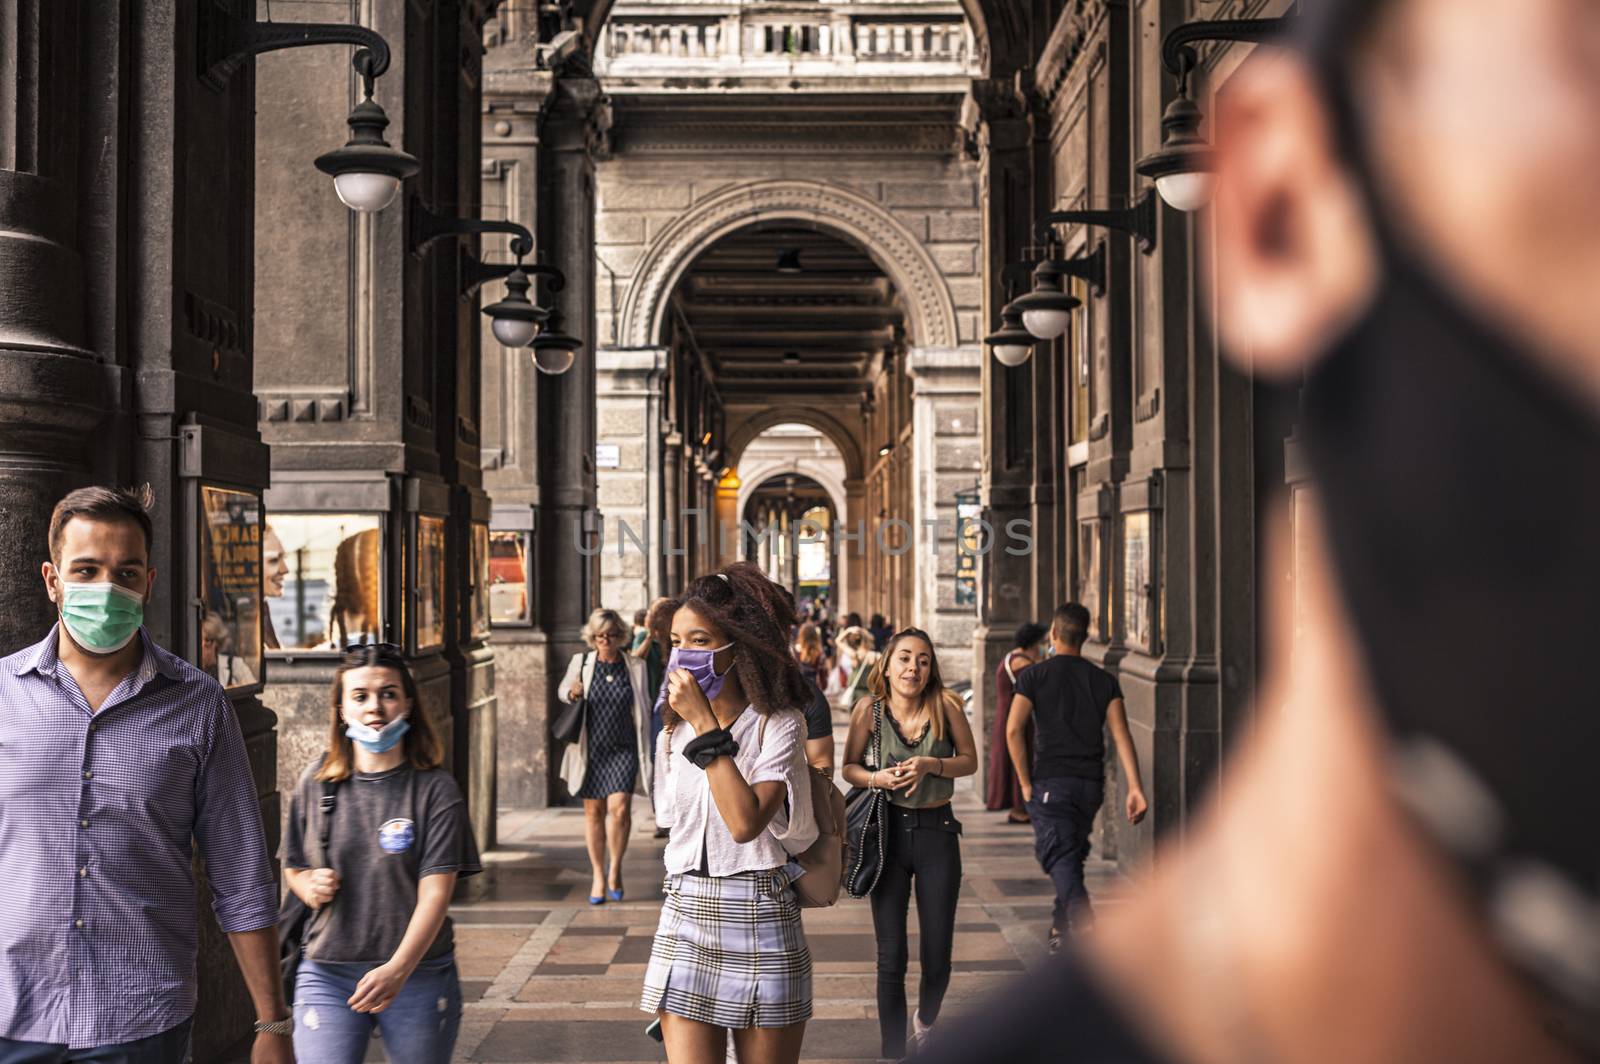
366 191
1012 354
1187 191
1046 324
553 360
514 332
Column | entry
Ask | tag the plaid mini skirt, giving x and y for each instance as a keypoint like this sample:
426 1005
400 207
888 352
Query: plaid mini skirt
730 951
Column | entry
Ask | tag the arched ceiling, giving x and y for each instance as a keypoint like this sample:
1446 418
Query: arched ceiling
819 332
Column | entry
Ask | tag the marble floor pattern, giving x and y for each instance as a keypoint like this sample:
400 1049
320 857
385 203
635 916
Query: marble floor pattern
548 977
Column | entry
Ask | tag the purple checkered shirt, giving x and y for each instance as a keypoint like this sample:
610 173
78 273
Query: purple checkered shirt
97 933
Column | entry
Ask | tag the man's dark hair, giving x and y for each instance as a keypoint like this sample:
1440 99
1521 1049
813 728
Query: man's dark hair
877 621
1071 624
639 617
103 504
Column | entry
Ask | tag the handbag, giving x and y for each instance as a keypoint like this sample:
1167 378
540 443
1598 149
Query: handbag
865 811
294 916
568 726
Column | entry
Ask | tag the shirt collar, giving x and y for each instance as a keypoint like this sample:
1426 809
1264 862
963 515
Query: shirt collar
44 658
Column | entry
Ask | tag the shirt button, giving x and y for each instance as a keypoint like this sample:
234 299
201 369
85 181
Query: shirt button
88 775
84 871
78 924
83 823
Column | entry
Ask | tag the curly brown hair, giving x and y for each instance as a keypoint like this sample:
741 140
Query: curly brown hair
756 616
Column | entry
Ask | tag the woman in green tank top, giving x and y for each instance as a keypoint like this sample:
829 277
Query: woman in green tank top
926 744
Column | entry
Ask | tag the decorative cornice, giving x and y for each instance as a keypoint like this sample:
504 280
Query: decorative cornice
1065 43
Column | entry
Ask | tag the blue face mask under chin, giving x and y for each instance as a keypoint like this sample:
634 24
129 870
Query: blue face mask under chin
378 740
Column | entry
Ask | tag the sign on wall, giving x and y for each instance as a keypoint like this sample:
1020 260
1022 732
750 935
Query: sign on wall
607 456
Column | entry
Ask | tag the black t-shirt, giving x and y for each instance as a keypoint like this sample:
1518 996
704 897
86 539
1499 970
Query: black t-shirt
389 830
819 715
1069 697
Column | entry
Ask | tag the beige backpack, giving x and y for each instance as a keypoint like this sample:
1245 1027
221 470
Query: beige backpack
823 860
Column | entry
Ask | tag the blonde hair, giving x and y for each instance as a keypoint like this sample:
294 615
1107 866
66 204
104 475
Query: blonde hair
601 620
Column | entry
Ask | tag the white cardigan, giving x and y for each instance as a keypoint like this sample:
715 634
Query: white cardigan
575 762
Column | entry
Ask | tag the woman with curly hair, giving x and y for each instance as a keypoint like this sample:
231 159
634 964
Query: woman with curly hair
926 744
732 782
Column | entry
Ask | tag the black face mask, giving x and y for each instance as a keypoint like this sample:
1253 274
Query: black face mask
1460 487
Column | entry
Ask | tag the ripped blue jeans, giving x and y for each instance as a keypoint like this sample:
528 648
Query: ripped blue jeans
418 1027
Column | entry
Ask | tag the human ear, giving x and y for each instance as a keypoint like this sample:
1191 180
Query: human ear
1295 256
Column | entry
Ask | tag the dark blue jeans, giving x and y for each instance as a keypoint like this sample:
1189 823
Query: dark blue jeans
169 1047
1063 810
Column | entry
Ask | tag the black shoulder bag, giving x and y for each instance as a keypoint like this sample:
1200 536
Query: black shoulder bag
295 916
865 811
568 727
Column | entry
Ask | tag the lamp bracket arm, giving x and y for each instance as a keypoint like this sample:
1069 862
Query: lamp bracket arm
226 41
1138 220
1177 49
1090 267
427 226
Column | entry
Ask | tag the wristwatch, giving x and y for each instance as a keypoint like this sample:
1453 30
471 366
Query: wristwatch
284 1026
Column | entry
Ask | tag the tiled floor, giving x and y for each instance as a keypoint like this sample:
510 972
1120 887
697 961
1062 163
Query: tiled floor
550 978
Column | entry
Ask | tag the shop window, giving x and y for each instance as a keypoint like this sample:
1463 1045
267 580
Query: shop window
430 582
230 587
480 580
509 554
322 575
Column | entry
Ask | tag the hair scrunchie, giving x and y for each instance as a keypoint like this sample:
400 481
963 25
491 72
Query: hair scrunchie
704 749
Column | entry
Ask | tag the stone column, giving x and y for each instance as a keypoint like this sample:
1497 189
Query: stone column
853 551
628 395
998 117
946 386
569 137
670 527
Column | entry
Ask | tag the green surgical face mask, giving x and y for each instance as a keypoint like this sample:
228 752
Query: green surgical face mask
101 617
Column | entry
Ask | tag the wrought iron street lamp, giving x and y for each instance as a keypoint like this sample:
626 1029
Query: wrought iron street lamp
1011 343
1183 168
554 350
366 172
515 319
1046 311
1139 221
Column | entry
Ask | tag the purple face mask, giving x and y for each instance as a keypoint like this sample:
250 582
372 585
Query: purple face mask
699 664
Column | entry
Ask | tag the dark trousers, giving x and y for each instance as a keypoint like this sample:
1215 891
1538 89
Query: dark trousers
1063 811
923 852
169 1047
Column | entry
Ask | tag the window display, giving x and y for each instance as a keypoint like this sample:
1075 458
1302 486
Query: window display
480 580
323 579
508 578
230 586
430 582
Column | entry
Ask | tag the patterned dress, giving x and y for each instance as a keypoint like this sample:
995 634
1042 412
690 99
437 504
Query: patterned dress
613 750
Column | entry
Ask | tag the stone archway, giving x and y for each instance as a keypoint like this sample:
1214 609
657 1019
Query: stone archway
929 307
742 431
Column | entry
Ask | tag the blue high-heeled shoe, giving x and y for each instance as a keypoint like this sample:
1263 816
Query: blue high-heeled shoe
614 895
597 901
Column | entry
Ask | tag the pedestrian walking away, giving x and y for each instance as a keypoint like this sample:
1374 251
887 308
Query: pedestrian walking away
732 780
1003 791
610 761
926 745
116 758
378 953
1070 701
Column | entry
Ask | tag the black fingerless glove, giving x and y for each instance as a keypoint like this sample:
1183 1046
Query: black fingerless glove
704 749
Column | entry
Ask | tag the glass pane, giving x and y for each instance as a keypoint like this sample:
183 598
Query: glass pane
508 578
1089 577
480 579
1136 577
430 582
323 580
230 586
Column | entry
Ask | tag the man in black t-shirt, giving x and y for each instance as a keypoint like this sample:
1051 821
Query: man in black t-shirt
1070 701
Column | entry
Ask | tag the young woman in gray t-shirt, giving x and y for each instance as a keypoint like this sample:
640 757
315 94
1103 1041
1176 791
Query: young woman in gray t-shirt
379 950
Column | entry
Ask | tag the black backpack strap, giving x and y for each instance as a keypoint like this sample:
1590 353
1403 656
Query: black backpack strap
329 792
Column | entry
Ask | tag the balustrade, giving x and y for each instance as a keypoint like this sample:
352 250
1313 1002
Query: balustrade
840 40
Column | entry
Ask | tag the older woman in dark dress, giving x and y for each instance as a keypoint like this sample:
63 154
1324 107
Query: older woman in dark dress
609 762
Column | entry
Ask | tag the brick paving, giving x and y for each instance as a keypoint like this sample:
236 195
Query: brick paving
547 977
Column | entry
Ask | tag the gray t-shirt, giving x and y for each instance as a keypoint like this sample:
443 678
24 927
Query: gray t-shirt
389 830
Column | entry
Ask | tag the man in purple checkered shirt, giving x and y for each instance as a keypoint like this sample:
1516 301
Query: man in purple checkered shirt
113 755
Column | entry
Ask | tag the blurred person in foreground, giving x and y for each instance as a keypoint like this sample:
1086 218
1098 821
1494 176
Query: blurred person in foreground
1401 862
